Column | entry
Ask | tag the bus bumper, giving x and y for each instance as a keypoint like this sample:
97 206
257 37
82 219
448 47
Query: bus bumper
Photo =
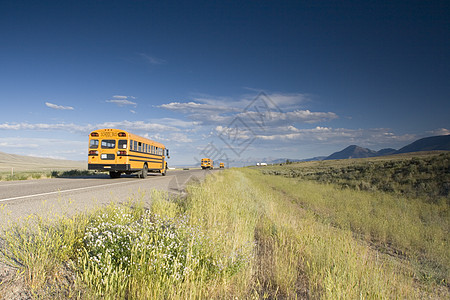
109 167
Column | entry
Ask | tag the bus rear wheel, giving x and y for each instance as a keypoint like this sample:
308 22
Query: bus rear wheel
144 172
114 174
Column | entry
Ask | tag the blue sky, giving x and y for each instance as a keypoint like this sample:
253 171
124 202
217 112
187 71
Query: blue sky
236 80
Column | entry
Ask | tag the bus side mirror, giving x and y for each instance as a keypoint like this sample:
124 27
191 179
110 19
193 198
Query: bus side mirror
167 153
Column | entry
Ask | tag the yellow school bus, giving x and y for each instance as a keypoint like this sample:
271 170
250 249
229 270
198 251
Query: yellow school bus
207 163
222 165
117 151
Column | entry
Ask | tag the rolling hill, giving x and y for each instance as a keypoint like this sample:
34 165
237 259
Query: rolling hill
440 142
31 163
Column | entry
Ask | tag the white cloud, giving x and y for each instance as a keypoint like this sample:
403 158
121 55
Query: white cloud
287 100
328 135
440 131
122 102
196 107
59 107
135 126
176 137
178 123
123 97
263 109
43 126
297 116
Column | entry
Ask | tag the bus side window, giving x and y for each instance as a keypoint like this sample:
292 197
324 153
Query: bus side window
140 147
135 148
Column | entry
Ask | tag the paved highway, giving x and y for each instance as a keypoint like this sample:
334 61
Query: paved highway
19 199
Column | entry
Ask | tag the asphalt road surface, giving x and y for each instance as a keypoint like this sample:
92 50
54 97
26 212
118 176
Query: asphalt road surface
67 196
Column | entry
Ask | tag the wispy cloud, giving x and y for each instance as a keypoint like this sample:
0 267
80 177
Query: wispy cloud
123 97
197 107
328 135
152 59
274 108
59 107
135 126
440 131
122 100
42 126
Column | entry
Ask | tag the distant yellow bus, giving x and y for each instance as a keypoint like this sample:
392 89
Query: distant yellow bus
221 165
117 151
207 163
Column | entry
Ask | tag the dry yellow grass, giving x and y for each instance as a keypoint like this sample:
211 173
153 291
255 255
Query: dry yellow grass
19 163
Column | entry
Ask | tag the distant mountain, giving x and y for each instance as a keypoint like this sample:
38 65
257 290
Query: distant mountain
352 151
281 160
440 142
314 158
386 151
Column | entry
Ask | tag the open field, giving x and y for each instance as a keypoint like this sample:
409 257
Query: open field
36 164
240 234
19 167
420 174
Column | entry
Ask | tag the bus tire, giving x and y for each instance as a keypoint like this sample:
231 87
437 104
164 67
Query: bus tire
163 173
114 174
144 172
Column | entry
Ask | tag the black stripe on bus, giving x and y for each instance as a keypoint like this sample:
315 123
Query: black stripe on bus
140 156
152 161
146 153
146 158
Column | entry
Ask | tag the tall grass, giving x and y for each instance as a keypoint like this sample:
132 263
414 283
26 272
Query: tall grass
325 262
407 227
238 234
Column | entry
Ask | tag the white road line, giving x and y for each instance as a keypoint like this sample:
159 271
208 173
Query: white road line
65 191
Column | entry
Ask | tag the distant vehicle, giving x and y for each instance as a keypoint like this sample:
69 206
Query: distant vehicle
261 164
118 151
221 165
207 163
